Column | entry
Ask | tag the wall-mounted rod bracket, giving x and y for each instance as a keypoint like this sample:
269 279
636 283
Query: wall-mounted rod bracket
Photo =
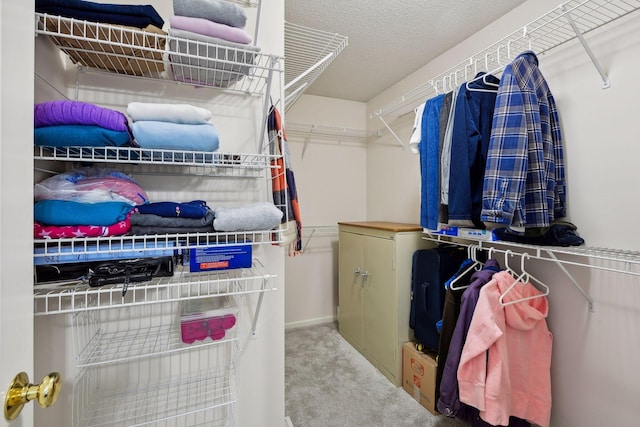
390 130
571 278
254 324
606 83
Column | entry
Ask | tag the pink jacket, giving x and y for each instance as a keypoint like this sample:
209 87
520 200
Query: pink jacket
505 366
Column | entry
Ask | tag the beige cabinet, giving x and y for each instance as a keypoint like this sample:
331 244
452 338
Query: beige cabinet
374 281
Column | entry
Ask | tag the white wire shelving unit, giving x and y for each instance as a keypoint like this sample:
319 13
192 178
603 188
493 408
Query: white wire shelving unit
308 53
134 368
75 296
201 392
568 21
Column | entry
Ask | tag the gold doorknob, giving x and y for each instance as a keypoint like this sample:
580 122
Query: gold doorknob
20 391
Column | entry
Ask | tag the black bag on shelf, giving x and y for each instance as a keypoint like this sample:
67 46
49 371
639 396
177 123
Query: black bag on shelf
98 273
430 270
130 271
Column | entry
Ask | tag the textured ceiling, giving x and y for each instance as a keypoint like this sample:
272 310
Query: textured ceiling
388 39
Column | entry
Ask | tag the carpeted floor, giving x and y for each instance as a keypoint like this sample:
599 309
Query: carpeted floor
329 384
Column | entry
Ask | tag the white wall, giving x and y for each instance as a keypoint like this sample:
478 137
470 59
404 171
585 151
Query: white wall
594 369
331 183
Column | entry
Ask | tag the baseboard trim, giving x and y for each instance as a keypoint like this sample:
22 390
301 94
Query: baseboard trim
310 322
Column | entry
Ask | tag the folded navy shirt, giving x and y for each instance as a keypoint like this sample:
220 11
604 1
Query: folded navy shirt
192 209
558 234
139 16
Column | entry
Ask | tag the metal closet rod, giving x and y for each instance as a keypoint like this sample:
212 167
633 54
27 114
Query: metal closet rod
539 253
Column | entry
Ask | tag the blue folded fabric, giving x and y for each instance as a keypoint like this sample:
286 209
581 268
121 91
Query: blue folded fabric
193 209
80 136
138 16
175 136
63 212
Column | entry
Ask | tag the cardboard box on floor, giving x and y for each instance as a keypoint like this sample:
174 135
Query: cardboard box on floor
419 376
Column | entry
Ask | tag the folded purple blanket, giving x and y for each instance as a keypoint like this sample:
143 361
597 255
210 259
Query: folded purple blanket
64 112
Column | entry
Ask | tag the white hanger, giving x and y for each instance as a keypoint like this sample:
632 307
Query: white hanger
490 254
484 80
523 278
509 270
476 264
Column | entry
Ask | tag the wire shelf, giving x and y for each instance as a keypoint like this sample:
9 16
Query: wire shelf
158 55
130 333
308 53
541 35
183 285
212 164
195 388
613 260
307 130
51 251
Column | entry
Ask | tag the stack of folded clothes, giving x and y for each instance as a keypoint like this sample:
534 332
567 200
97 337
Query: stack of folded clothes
137 27
173 127
208 44
559 233
172 217
87 202
66 123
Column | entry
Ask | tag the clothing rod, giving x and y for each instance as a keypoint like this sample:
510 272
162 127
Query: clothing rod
536 255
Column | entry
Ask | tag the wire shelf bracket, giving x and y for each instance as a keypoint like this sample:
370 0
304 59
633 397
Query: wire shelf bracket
308 53
606 83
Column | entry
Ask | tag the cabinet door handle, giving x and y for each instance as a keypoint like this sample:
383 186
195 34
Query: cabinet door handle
356 273
365 274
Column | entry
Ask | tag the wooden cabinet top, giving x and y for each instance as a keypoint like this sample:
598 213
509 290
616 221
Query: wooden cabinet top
384 225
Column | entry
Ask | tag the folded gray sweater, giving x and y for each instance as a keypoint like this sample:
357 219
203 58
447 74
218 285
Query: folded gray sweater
256 216
220 11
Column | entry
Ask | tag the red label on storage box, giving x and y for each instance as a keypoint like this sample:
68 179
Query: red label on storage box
417 367
416 381
219 257
209 265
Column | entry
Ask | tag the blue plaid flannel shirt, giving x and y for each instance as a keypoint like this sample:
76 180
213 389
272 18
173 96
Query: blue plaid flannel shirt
524 183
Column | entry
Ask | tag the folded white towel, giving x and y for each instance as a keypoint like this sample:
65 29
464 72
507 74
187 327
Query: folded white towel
173 113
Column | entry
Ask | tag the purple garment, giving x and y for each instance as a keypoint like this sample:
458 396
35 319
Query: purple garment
210 28
65 112
193 209
449 402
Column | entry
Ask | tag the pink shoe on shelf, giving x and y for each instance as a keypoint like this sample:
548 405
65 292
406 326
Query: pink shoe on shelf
228 321
216 334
